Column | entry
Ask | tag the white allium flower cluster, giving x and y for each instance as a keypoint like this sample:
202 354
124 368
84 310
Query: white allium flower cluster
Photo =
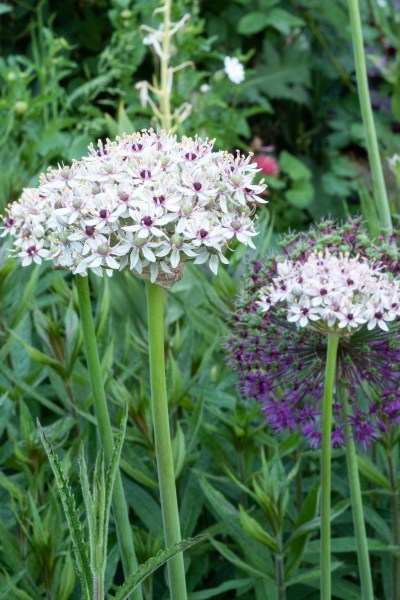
336 295
146 201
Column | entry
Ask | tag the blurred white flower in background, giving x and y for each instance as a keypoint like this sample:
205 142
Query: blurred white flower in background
234 69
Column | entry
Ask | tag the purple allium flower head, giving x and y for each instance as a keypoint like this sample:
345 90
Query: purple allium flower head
281 364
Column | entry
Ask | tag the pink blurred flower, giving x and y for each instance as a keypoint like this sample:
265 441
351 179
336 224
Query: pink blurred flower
267 164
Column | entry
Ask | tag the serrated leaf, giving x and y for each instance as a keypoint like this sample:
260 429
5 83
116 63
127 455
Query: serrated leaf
112 470
72 516
153 564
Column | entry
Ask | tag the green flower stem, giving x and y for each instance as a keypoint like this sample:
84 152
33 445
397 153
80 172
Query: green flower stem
396 524
98 587
368 119
165 465
120 509
358 514
330 373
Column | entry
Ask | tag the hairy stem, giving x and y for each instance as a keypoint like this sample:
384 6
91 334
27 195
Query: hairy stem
120 509
330 373
162 436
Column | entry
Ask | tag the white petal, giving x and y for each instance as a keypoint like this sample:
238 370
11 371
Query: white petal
147 253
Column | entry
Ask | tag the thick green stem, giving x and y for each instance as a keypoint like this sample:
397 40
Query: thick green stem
120 509
380 193
98 593
358 514
396 525
165 465
326 468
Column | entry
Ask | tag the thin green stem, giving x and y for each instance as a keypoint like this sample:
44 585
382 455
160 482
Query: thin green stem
380 193
165 465
120 509
330 373
358 513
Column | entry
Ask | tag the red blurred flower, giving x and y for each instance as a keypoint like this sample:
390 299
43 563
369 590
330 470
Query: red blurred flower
267 164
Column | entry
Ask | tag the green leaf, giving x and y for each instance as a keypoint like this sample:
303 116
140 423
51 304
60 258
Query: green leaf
297 542
227 586
369 211
239 563
293 167
281 74
39 356
252 23
67 579
256 531
72 516
346 545
152 565
137 474
179 451
371 472
284 21
12 557
301 194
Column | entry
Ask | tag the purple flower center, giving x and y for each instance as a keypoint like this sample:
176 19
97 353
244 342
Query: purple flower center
159 199
190 156
323 292
9 222
350 281
89 230
350 317
305 310
103 213
137 147
31 250
145 174
203 233
378 315
147 221
197 186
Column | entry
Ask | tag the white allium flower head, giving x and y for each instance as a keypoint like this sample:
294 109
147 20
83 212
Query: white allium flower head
146 201
234 69
336 295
